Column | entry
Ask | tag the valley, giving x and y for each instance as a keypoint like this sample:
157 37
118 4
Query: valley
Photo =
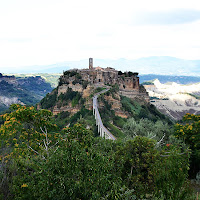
173 99
22 90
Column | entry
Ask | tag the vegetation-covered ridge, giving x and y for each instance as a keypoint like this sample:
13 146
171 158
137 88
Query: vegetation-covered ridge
39 161
28 90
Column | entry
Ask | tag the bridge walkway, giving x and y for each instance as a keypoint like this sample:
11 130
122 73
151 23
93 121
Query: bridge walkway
102 130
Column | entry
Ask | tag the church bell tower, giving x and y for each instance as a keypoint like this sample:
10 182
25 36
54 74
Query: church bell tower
90 63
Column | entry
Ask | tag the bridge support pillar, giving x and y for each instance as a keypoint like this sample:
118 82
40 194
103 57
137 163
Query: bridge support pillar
98 127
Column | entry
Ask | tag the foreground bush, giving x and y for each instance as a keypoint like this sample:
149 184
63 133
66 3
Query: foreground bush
37 163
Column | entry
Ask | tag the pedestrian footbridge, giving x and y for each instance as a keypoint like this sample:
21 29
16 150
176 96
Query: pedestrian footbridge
102 130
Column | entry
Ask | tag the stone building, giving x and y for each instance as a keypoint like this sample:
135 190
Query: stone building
128 82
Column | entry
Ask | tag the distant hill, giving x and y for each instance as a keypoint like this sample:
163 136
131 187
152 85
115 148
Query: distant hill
167 78
51 78
28 90
164 65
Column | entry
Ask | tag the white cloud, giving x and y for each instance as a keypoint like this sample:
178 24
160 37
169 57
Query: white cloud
37 32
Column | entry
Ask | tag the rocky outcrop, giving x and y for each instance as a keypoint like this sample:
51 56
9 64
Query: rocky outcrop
6 101
115 105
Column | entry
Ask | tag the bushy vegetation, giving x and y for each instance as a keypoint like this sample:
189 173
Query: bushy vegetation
127 74
189 131
49 100
139 111
145 127
147 83
70 95
59 157
39 162
63 99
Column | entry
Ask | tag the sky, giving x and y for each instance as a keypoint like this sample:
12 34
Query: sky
43 32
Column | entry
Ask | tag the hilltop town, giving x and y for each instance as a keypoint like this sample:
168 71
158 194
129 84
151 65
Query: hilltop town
86 81
128 82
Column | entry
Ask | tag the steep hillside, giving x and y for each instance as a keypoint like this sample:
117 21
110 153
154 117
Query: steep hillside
71 101
29 90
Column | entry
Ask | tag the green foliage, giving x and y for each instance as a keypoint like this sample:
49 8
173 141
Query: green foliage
127 74
50 100
139 111
37 163
114 89
84 167
52 79
64 115
21 131
84 116
98 89
70 95
189 130
147 128
114 130
147 83
135 161
74 171
82 113
35 84
171 172
119 121
62 100
70 73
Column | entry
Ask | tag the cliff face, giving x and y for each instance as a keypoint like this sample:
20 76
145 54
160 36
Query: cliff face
69 98
116 106
77 97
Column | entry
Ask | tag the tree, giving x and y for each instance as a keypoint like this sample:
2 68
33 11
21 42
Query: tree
158 131
77 170
25 129
189 131
135 160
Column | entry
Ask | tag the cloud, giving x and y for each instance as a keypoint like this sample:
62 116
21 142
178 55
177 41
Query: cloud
173 17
